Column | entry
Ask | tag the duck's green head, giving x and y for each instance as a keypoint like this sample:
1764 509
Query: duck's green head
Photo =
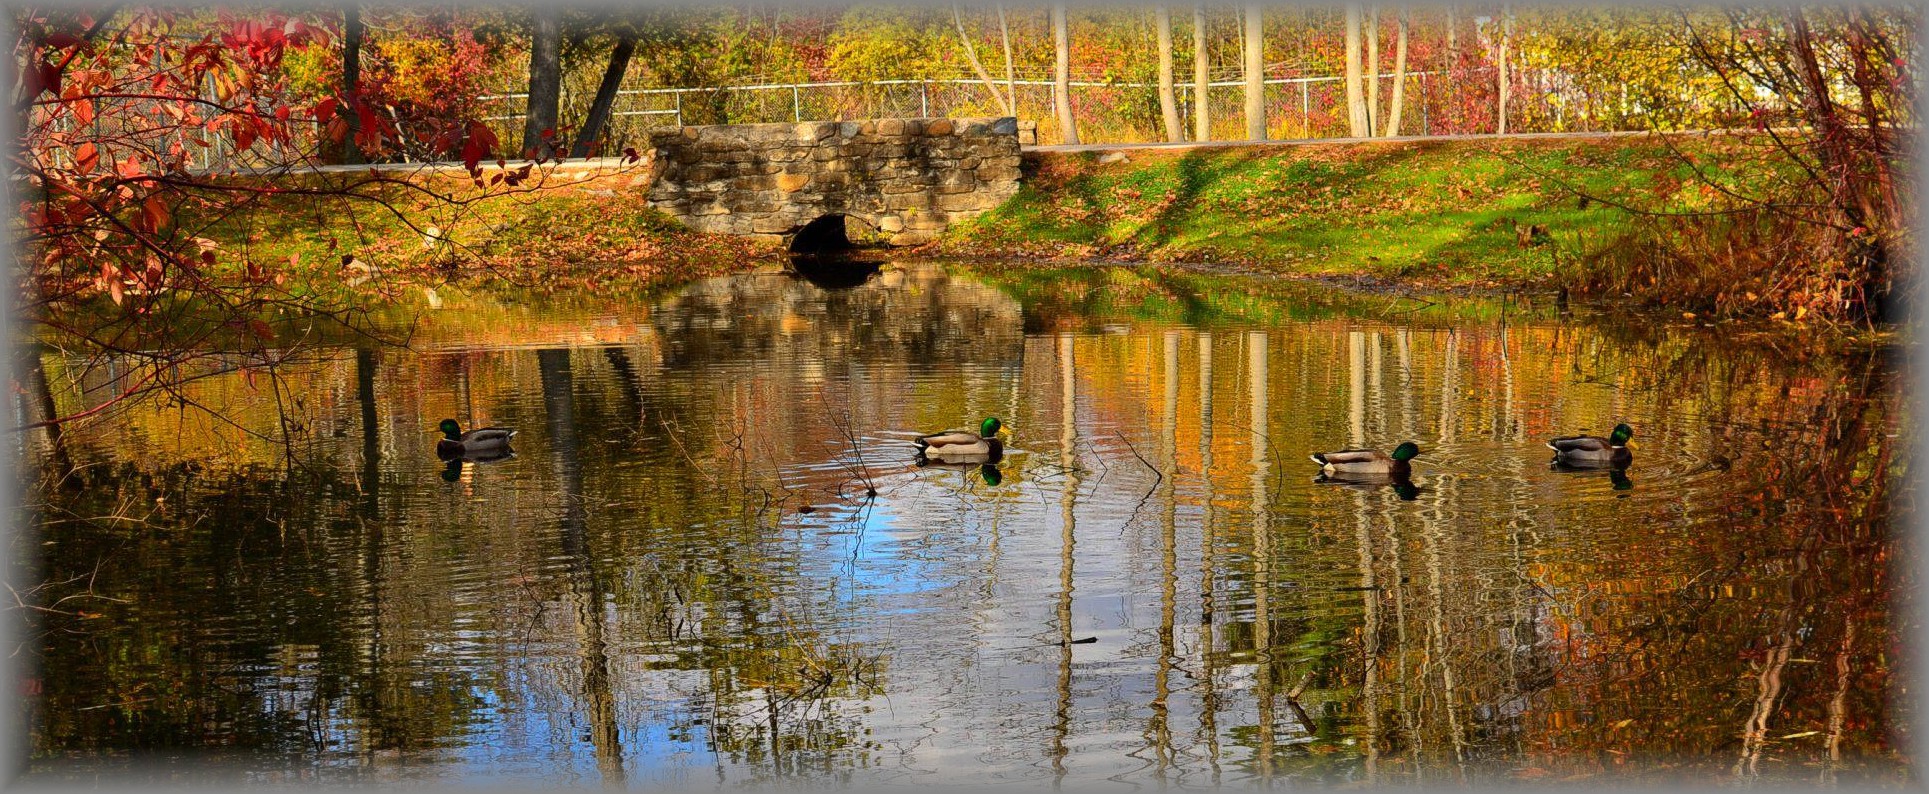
1621 435
450 429
990 427
1406 451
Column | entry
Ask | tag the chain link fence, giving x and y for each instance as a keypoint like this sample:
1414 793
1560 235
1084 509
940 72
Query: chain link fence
1298 108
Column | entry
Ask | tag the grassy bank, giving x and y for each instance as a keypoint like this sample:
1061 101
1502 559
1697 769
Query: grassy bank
1600 213
1431 213
568 232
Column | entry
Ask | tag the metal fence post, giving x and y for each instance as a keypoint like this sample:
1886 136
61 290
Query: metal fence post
1426 98
1305 111
679 107
796 105
924 100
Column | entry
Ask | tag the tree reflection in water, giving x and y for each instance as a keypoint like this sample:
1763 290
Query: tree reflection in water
640 597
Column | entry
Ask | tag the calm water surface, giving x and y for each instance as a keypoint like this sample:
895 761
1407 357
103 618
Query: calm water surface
681 577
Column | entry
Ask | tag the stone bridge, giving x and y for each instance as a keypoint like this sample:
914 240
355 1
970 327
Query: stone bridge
899 181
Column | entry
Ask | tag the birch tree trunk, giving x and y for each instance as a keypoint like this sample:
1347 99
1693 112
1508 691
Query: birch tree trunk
1255 76
1506 36
977 66
1201 78
1168 95
1399 77
1011 75
1062 76
1355 100
1373 71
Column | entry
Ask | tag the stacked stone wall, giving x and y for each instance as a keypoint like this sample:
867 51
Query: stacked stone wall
905 179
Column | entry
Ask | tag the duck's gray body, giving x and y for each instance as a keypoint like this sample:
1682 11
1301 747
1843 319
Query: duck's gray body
1589 451
1361 463
959 446
488 442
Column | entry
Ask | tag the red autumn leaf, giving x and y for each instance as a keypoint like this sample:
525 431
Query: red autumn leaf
83 111
50 78
336 130
64 40
86 156
325 109
244 135
261 328
154 213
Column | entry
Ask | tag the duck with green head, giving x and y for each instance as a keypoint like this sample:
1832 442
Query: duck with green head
959 445
1594 451
480 442
1368 462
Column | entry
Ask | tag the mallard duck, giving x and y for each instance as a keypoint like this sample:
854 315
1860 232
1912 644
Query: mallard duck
1368 462
480 442
1594 451
983 446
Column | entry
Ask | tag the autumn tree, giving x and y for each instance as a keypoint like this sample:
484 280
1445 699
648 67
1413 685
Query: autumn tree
137 125
1847 77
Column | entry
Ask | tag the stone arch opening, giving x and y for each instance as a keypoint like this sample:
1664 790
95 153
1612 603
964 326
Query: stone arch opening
826 235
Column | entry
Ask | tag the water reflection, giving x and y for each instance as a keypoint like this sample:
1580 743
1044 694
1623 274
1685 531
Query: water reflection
715 558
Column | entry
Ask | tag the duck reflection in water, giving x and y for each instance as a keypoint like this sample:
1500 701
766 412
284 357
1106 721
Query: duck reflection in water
1618 475
1402 485
988 470
452 467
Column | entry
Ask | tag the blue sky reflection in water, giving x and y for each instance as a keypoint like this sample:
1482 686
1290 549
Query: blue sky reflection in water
679 578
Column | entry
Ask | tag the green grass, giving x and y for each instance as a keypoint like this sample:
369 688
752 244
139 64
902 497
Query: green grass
1436 210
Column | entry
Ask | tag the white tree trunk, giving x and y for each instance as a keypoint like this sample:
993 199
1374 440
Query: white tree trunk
1399 77
1011 74
1355 99
1255 76
1201 78
1506 36
978 67
1062 76
1373 71
1168 95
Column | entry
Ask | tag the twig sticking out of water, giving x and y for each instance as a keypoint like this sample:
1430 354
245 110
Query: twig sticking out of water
862 471
1292 696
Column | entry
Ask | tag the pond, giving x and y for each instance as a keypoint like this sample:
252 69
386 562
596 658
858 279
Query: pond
713 557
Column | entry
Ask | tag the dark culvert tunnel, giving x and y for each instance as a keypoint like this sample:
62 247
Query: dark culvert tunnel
821 254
